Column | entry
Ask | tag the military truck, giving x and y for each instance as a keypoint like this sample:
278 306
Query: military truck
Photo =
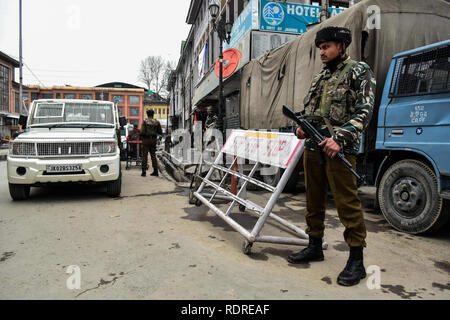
405 149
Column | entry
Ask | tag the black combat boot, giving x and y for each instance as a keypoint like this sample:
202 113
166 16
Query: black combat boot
312 253
354 270
144 173
155 172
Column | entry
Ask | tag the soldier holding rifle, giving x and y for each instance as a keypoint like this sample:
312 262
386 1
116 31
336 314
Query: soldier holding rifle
339 105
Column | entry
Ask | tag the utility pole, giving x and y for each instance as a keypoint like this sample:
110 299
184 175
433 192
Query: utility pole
224 33
324 13
20 59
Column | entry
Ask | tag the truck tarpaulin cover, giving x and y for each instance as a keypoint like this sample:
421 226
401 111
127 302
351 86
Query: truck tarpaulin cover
283 76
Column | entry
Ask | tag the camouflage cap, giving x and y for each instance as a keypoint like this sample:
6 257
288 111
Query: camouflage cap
338 34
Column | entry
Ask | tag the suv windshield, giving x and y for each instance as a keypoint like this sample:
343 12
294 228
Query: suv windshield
59 114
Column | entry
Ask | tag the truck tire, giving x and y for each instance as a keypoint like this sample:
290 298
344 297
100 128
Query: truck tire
19 192
409 199
114 188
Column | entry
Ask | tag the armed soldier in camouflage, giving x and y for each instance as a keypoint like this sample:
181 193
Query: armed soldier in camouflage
211 118
339 104
149 132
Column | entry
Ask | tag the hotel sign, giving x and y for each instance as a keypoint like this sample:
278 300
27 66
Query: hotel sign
290 17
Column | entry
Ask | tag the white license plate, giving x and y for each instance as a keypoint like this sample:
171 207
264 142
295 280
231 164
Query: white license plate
64 168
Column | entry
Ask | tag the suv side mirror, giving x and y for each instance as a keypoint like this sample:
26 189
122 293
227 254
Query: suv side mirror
23 121
122 121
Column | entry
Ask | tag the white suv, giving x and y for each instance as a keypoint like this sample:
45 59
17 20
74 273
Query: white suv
66 141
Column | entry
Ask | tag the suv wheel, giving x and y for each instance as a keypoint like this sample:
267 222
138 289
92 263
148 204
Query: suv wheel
114 188
19 192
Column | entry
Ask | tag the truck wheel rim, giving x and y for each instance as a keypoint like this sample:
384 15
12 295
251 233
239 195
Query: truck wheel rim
409 197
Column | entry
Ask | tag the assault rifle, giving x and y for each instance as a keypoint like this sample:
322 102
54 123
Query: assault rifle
317 137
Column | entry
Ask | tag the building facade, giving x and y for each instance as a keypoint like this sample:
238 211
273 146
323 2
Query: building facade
194 84
129 98
10 107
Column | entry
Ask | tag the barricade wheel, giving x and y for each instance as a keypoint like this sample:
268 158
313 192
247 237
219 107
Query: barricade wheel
198 203
247 247
192 199
241 208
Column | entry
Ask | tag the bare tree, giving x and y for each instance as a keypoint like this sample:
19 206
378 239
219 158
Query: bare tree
154 73
168 68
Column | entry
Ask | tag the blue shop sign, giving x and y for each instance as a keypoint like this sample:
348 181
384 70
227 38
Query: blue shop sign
290 17
247 20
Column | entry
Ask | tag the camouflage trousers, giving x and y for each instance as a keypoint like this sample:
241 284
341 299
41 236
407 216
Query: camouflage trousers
345 193
149 145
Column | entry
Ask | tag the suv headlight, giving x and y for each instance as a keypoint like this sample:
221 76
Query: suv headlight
22 149
103 147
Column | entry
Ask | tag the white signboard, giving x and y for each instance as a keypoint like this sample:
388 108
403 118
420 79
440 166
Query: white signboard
263 41
271 148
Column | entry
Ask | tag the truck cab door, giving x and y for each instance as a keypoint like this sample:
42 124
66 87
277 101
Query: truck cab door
417 117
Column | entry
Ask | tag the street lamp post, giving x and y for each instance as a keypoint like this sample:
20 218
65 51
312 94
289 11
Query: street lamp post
223 32
20 61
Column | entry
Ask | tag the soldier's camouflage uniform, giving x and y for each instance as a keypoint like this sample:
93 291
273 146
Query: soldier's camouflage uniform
344 98
149 130
211 121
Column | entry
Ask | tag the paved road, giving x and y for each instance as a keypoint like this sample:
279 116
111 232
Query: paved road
3 153
151 244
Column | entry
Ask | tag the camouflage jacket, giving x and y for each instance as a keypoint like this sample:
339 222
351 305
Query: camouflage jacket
211 121
150 128
348 103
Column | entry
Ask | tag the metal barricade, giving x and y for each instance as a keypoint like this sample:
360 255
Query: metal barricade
282 150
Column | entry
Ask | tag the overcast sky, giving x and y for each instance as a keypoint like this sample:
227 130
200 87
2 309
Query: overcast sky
90 42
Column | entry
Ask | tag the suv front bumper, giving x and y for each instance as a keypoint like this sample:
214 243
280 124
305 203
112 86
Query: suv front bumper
36 170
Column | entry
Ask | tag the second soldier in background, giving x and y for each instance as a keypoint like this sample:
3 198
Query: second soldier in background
149 132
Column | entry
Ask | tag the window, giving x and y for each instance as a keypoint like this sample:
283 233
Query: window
134 112
103 96
118 99
58 95
134 122
4 88
34 96
25 96
17 102
47 96
69 96
86 96
72 112
423 73
120 111
134 99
